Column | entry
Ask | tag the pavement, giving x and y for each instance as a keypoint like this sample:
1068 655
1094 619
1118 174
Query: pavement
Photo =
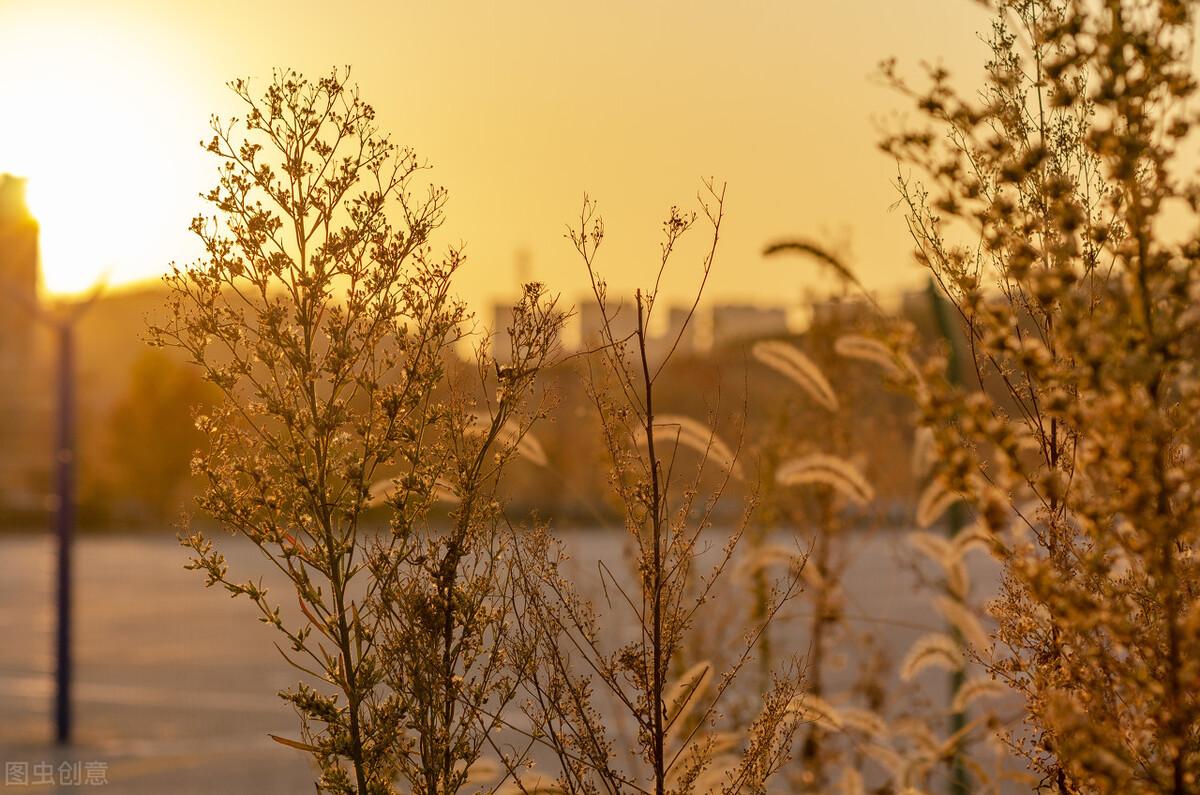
175 683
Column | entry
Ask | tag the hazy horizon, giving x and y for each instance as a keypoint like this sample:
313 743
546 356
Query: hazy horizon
519 115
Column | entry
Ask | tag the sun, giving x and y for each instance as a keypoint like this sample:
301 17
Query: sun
107 143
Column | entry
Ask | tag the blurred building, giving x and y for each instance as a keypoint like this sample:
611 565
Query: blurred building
678 336
680 327
500 331
622 316
24 450
697 333
734 322
840 312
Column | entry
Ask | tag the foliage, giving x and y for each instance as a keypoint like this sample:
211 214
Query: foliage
678 742
1047 208
1056 213
325 321
876 726
151 435
446 600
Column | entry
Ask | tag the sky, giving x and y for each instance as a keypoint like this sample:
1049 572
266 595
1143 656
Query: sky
520 108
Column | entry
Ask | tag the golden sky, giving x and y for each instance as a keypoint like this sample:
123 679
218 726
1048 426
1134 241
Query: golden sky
520 107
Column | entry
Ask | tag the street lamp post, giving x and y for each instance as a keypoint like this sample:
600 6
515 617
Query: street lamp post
64 521
62 327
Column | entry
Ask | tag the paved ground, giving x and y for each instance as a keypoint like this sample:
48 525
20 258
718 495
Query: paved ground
175 683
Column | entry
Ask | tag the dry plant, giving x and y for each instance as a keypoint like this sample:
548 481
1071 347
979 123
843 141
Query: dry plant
444 594
321 315
864 734
1055 212
580 656
809 484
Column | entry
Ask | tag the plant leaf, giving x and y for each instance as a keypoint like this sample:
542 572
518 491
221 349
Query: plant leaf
299 746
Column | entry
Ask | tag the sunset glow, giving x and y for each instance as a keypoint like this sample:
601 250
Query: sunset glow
102 136
681 397
114 97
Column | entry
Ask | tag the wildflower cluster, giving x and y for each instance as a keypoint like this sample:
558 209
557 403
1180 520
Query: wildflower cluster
1046 209
320 313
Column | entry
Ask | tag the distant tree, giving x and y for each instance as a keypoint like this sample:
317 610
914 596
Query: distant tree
152 435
